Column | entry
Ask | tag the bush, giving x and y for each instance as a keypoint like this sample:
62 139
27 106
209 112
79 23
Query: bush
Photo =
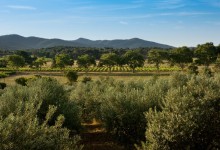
190 117
208 72
3 75
22 131
86 79
87 97
123 108
10 73
21 127
2 85
48 92
22 81
120 105
193 69
53 93
71 76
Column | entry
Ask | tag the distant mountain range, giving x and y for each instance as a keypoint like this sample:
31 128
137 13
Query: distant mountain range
17 42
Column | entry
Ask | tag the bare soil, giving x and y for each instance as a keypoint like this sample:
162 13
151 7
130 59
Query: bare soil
94 137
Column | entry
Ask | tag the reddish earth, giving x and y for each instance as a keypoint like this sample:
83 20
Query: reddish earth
95 137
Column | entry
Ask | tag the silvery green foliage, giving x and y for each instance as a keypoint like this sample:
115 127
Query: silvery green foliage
120 105
123 109
20 127
86 96
51 92
190 117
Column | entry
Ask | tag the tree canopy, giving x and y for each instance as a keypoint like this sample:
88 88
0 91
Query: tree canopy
16 61
156 56
134 59
85 61
109 59
39 62
206 54
181 56
62 60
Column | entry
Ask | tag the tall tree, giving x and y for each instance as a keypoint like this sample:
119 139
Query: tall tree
3 62
206 54
181 56
134 59
63 60
109 59
15 61
85 61
218 49
39 62
156 57
27 57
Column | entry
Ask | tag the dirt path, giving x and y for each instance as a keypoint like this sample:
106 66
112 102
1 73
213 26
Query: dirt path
94 137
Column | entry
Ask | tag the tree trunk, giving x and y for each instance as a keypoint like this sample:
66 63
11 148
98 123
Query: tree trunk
133 70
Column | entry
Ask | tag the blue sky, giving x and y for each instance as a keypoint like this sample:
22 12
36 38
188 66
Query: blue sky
173 22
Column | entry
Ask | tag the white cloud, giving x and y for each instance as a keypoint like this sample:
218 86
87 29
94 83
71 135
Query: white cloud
124 7
215 23
183 14
170 4
86 8
21 7
215 3
123 22
138 1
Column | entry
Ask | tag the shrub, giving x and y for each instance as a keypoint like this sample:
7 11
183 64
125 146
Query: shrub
2 85
71 76
123 108
10 73
22 81
86 79
53 93
87 97
208 72
48 92
120 105
190 117
20 124
3 75
21 130
193 69
179 80
37 76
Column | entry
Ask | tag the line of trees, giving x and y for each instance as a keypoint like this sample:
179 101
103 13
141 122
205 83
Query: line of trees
204 54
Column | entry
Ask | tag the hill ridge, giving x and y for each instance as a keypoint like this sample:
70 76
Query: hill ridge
16 42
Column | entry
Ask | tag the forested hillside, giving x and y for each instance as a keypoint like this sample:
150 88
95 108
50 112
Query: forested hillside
17 42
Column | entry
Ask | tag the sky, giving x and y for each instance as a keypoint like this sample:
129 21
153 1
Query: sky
172 22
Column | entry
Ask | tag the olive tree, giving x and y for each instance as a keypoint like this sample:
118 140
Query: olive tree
33 117
39 62
181 56
189 119
109 59
15 61
134 59
62 60
85 61
206 54
156 57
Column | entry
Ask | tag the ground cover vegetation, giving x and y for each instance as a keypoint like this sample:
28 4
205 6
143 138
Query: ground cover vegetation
180 112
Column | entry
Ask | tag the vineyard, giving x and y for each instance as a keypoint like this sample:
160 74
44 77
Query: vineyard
98 69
